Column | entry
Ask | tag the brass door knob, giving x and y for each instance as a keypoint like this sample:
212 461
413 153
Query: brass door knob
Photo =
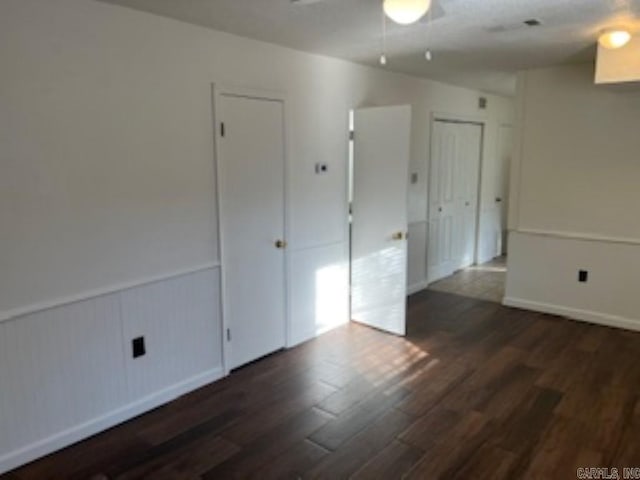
398 236
281 244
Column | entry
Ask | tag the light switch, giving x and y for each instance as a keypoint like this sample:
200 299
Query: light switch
414 178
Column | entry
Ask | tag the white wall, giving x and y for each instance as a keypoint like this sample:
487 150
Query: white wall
107 187
575 197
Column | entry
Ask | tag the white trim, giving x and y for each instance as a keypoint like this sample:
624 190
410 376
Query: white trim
100 292
98 424
587 237
574 313
457 117
417 287
224 310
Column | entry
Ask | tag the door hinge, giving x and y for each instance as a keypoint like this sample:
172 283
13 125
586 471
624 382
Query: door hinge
352 135
222 129
228 334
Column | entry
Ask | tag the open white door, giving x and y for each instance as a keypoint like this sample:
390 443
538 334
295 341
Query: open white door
379 225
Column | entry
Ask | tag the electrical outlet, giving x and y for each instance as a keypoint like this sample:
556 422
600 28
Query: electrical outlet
414 178
138 348
583 276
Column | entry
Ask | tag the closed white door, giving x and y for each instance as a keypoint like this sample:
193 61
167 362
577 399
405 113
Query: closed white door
453 197
505 146
379 225
470 138
251 182
441 251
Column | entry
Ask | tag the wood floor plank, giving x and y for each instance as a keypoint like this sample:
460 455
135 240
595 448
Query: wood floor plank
292 463
269 445
190 461
355 419
449 453
271 415
356 452
394 461
488 463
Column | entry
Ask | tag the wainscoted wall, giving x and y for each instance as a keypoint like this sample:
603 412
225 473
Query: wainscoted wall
543 276
573 198
67 372
318 296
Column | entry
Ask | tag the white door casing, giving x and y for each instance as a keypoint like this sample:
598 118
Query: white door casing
379 225
251 182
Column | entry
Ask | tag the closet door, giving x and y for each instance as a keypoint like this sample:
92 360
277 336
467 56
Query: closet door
251 157
468 183
454 174
443 206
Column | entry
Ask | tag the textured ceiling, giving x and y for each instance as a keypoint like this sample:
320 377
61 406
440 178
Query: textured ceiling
475 43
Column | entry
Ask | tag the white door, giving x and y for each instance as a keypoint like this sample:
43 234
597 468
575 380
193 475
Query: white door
251 182
441 251
379 225
470 136
453 197
505 145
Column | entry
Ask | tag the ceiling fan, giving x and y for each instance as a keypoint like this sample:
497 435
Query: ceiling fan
403 12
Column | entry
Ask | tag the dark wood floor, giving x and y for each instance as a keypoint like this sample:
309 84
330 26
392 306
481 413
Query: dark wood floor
475 391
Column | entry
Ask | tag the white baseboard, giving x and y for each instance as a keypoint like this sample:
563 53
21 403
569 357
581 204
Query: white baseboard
79 432
417 287
574 313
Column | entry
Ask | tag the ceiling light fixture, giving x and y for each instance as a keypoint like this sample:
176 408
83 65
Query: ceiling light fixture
406 12
614 38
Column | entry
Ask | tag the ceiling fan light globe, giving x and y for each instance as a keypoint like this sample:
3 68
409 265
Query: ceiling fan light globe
613 39
406 12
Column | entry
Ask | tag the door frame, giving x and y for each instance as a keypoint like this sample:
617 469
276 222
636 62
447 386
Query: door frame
217 91
437 116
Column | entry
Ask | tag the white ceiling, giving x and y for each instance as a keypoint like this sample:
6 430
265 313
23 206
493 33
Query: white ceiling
475 43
